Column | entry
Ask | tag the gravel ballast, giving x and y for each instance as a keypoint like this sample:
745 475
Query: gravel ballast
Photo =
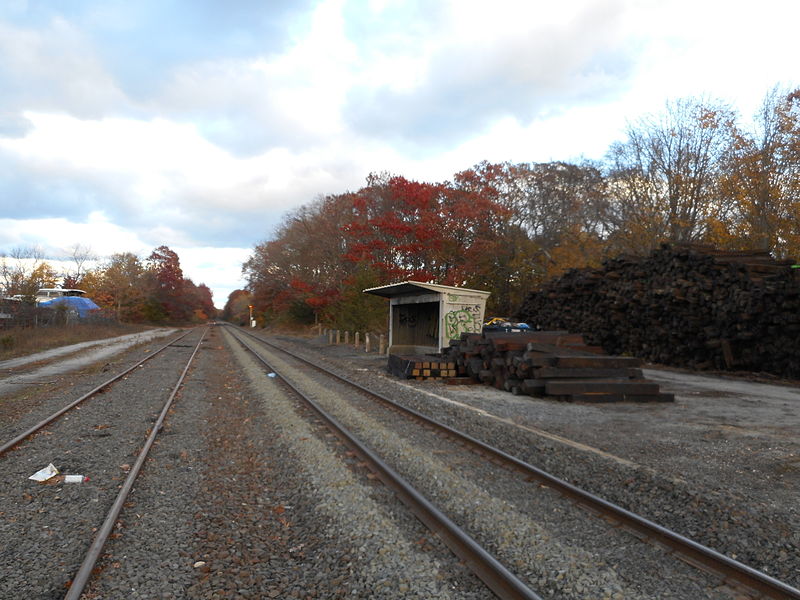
241 497
52 524
245 495
639 456
386 562
559 550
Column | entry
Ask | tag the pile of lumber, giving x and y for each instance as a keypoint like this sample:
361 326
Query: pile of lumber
421 367
555 364
683 305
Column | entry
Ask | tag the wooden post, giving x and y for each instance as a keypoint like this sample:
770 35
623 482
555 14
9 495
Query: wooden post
347 337
338 337
381 344
366 342
330 336
355 342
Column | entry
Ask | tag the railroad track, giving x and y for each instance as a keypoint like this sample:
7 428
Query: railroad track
20 437
742 577
490 570
79 426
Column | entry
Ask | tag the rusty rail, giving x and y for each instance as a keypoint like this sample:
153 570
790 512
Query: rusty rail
90 560
29 432
701 556
500 580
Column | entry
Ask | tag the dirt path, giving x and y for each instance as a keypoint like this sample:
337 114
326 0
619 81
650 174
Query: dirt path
78 356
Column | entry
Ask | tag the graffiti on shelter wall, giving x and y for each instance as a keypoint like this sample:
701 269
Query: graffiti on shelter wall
466 319
407 317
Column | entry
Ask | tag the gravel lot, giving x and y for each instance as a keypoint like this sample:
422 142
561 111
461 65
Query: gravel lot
42 367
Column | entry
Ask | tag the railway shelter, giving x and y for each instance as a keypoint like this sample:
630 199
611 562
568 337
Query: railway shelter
424 317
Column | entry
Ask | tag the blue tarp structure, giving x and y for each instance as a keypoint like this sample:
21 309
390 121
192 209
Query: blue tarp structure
83 306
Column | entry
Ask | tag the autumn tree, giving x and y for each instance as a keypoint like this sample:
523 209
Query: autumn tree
21 271
295 275
355 310
121 286
553 216
237 307
415 230
761 180
153 291
205 301
80 256
663 180
43 276
689 174
166 287
396 229
498 246
198 299
391 229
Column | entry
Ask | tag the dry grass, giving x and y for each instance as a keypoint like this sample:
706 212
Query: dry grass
22 341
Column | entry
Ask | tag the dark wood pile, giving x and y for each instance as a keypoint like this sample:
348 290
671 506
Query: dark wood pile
686 305
421 367
552 363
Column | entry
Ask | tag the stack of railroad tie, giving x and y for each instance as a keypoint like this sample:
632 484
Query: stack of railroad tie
555 364
684 305
421 367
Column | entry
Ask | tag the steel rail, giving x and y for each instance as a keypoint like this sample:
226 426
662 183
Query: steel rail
693 552
29 432
500 580
85 571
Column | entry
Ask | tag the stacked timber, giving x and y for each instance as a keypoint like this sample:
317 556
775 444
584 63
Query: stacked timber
554 364
684 305
421 367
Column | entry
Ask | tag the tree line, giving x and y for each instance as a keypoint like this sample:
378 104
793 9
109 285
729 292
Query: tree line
692 173
127 288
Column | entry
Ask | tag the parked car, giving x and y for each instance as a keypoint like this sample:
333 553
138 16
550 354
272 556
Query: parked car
504 324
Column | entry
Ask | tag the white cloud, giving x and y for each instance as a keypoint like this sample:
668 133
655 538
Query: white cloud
216 147
732 51
166 170
56 235
55 68
154 148
219 268
482 64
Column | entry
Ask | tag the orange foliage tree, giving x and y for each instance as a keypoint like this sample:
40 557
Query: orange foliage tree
761 181
690 174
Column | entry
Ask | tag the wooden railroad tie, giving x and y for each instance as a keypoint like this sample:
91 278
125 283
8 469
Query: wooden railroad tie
421 367
553 364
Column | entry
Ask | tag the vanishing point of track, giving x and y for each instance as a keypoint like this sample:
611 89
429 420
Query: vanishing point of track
757 583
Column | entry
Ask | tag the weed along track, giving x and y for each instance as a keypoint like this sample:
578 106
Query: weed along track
534 524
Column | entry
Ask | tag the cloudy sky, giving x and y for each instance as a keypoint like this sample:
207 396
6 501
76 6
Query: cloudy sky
125 125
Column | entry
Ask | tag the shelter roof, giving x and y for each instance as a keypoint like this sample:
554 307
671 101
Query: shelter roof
409 288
